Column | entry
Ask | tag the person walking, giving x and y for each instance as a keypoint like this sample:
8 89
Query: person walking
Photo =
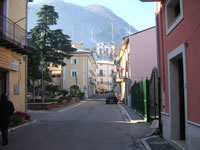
6 111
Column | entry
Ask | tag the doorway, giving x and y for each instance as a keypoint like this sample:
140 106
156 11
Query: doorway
177 93
2 82
3 13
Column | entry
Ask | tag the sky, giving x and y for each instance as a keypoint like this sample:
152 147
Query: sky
141 15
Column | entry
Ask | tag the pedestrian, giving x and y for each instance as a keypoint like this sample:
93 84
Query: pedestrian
6 111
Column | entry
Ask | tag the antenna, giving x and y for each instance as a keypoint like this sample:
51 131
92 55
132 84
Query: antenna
91 34
72 32
112 33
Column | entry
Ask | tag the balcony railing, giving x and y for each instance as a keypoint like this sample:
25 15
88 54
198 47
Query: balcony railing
101 75
13 36
99 82
91 80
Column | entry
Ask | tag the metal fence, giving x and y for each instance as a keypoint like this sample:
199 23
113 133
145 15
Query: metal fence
153 102
139 97
145 97
13 33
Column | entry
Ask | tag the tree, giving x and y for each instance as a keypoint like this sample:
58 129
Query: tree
52 46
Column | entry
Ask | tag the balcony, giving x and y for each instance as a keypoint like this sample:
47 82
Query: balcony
92 81
101 75
14 37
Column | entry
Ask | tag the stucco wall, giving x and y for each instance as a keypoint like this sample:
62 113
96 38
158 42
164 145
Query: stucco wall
81 68
187 31
17 11
143 55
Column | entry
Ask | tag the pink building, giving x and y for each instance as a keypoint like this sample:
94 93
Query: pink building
178 30
143 55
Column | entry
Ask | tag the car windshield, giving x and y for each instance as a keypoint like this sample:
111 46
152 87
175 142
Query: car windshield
110 94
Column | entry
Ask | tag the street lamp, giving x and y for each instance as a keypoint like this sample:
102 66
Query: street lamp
42 69
76 79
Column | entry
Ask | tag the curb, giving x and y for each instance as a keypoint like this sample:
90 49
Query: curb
146 145
20 126
125 114
128 119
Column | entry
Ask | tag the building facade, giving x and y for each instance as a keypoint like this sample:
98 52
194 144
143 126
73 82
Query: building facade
140 57
56 73
122 71
143 54
13 51
178 50
104 75
80 70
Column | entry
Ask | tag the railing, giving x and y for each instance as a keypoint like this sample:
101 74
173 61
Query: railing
101 75
13 33
110 83
154 95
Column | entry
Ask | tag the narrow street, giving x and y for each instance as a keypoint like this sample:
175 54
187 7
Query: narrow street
88 125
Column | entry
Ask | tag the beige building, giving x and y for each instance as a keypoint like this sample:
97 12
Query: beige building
104 75
56 73
80 70
13 51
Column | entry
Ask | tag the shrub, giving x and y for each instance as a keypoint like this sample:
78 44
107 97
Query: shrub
19 117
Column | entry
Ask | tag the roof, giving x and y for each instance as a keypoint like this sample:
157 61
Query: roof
139 32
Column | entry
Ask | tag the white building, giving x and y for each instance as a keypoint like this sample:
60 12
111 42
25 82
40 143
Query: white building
104 75
106 51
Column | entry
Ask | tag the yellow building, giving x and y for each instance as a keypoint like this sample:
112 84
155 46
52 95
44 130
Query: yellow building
13 51
121 62
80 70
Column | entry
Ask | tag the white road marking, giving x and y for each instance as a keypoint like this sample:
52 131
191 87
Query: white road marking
68 108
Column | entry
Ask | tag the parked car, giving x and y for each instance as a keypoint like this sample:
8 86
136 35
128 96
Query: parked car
111 98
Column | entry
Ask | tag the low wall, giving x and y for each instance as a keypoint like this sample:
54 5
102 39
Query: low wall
50 105
43 106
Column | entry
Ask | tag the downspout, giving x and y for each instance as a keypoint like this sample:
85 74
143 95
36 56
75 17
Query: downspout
26 63
158 63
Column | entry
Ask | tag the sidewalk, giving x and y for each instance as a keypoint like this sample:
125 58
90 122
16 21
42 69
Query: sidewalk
146 142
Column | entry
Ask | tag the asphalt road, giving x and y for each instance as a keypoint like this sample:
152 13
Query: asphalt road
88 125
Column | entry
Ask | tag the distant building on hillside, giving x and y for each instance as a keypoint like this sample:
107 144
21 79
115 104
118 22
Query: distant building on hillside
106 51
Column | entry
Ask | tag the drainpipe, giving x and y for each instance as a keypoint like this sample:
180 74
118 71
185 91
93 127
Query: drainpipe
158 63
26 65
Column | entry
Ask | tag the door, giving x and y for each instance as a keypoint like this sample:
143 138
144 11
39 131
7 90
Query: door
177 97
2 82
2 14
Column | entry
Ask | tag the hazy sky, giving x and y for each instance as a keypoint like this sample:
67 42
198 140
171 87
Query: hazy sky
140 15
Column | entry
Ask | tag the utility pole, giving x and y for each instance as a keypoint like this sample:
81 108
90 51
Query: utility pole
112 34
72 32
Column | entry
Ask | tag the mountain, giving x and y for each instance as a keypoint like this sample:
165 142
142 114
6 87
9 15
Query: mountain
88 25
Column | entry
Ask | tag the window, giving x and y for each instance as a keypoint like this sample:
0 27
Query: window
73 60
74 73
101 81
173 14
101 72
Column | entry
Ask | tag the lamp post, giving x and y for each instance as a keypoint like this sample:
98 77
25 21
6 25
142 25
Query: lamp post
42 69
76 79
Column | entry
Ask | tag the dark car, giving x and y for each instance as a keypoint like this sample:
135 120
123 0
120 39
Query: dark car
111 98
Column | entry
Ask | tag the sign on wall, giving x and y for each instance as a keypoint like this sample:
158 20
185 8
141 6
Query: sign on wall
15 65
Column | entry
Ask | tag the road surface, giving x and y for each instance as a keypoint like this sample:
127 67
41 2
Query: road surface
88 125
